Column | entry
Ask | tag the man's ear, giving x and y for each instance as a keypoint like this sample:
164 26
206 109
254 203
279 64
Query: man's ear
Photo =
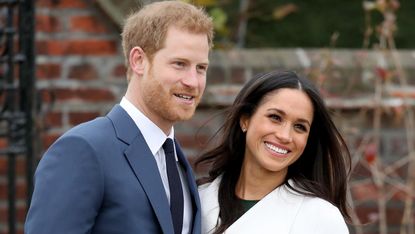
137 60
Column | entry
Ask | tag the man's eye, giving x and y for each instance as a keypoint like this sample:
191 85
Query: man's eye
201 68
179 64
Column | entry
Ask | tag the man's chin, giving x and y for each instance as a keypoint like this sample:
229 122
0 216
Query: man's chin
185 115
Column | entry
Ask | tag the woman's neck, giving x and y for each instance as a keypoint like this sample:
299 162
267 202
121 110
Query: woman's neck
255 183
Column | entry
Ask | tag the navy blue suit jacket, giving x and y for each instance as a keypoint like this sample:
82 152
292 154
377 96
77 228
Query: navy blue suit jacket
101 177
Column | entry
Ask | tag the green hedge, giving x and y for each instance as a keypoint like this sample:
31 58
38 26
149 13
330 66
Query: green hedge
313 24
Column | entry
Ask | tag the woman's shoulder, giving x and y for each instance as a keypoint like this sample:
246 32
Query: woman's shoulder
326 217
318 215
311 202
319 202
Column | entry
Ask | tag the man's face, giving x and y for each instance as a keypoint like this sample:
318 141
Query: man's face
173 82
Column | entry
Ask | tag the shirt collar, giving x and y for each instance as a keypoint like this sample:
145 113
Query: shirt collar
152 134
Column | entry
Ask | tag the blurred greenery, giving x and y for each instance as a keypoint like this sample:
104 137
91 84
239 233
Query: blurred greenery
305 23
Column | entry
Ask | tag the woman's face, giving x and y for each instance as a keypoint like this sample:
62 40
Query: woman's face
276 134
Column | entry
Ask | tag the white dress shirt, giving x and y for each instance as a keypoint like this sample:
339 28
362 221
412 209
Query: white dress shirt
155 138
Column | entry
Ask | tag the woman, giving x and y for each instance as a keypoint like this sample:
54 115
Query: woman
281 166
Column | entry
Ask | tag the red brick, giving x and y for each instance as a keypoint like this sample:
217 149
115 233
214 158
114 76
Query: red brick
61 3
361 171
18 231
20 188
80 117
44 3
365 192
47 23
403 94
71 4
193 141
53 119
401 195
47 96
20 214
48 71
3 165
84 94
370 215
216 75
394 215
63 94
238 75
48 139
20 166
83 72
88 24
120 71
3 143
367 214
77 47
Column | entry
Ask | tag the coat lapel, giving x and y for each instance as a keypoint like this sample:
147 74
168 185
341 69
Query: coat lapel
143 165
276 211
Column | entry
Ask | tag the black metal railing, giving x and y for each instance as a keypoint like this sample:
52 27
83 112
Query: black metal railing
17 92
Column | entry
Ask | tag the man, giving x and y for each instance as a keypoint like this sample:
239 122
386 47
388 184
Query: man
116 174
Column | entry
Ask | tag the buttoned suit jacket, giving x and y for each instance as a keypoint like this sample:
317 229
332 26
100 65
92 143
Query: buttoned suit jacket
101 177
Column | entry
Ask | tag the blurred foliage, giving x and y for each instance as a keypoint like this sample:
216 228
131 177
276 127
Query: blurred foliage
303 23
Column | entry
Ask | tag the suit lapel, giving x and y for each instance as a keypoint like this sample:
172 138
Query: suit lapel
143 165
192 188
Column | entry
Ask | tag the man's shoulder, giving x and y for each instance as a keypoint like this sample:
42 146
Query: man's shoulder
93 132
92 127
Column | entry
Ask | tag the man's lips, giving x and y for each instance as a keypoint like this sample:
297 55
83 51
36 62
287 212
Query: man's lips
185 97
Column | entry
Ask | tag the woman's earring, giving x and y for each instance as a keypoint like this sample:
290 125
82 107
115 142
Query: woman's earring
243 129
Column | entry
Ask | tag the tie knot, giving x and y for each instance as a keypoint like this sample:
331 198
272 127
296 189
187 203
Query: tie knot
168 146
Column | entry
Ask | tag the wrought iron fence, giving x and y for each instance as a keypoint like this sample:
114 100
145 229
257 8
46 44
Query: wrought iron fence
17 89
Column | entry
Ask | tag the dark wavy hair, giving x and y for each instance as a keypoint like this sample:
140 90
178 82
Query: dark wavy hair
321 171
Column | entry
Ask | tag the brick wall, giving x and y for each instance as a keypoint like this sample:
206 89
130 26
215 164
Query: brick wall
80 75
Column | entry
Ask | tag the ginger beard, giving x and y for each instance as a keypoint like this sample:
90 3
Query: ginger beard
163 101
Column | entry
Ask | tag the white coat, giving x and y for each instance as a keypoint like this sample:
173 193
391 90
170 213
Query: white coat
282 211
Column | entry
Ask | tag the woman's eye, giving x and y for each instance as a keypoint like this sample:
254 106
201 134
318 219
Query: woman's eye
275 117
301 127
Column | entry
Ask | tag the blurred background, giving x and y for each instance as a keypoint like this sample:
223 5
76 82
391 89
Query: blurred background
61 64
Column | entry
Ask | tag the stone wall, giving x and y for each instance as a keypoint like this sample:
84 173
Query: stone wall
80 75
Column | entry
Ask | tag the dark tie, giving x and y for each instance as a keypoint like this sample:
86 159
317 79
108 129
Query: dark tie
176 191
